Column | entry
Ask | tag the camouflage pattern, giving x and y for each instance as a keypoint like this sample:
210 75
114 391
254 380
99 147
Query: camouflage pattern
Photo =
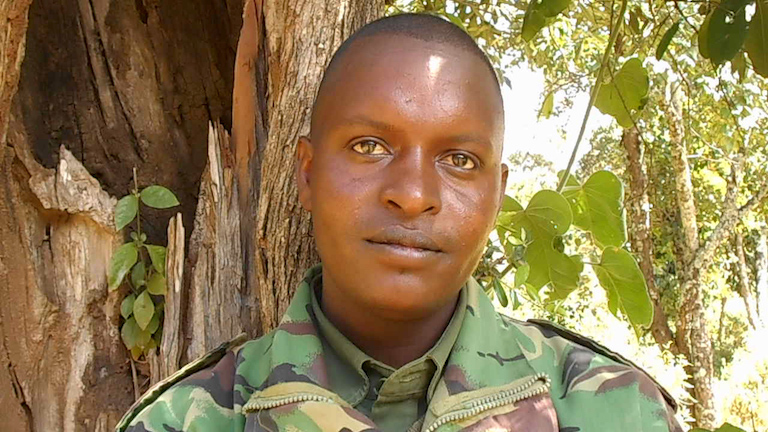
502 375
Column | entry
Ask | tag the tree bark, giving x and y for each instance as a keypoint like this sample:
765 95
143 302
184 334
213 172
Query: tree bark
761 274
692 336
639 212
64 367
301 38
106 86
744 286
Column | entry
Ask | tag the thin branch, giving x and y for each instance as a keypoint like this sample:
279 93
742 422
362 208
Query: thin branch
595 89
136 392
730 217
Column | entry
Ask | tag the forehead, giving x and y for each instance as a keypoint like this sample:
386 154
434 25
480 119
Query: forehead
412 83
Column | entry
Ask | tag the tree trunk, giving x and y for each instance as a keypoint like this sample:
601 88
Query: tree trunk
744 290
106 86
692 336
639 212
761 274
301 41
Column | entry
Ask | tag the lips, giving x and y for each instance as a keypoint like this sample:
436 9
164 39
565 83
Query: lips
399 236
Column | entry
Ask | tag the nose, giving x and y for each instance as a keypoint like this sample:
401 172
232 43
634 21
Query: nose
412 185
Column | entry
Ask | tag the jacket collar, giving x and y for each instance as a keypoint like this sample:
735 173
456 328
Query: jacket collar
487 352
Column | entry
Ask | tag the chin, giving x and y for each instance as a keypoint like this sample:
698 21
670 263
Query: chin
402 295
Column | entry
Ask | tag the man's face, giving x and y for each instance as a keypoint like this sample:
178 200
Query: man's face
402 174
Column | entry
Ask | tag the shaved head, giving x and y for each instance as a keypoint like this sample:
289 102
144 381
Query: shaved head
421 27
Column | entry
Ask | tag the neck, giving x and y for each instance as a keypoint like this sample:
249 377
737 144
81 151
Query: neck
394 342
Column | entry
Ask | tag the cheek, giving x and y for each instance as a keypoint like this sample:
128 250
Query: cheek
475 213
338 196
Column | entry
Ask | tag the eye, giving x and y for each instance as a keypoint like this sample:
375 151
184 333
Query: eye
370 147
460 160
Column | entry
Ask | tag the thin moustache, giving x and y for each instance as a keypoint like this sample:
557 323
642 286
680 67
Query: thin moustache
404 237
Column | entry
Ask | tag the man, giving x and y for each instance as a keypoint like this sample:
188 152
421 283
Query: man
402 174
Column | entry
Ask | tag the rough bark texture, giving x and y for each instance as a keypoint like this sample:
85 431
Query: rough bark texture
744 286
13 27
215 304
107 86
168 360
129 83
64 367
639 212
761 274
301 37
692 337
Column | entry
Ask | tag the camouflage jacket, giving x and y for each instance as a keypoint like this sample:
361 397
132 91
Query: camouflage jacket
502 375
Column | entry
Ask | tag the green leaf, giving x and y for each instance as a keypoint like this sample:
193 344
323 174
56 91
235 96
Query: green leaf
138 274
510 204
124 258
739 66
727 30
533 292
620 276
158 197
547 106
133 336
550 266
521 275
627 92
703 37
539 13
126 307
156 284
143 309
548 212
634 23
125 211
154 323
547 216
136 353
500 293
757 40
727 427
598 207
666 39
456 20
157 255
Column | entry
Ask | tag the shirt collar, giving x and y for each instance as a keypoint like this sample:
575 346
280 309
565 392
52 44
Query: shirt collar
354 390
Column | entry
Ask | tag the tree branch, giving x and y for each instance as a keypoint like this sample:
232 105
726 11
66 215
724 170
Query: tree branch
595 89
731 216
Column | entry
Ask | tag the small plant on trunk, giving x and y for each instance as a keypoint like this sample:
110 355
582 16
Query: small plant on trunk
142 267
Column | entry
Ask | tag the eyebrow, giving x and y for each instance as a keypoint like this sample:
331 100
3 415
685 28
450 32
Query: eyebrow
367 121
467 138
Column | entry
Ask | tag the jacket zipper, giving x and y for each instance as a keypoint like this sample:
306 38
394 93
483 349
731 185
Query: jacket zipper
269 403
507 397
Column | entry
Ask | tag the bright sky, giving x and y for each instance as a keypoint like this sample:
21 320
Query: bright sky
524 132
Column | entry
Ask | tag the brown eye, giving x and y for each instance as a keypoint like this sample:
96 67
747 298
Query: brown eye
369 147
460 161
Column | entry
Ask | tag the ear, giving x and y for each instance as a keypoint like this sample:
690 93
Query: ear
504 175
304 153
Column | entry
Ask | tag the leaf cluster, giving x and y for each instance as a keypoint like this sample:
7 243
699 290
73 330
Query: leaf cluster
141 266
531 241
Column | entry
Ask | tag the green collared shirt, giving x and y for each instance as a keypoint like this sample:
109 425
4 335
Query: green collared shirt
395 399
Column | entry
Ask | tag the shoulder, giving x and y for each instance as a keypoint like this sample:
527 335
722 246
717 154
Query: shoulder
579 358
212 375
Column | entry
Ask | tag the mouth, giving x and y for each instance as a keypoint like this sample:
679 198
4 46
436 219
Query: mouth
405 240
